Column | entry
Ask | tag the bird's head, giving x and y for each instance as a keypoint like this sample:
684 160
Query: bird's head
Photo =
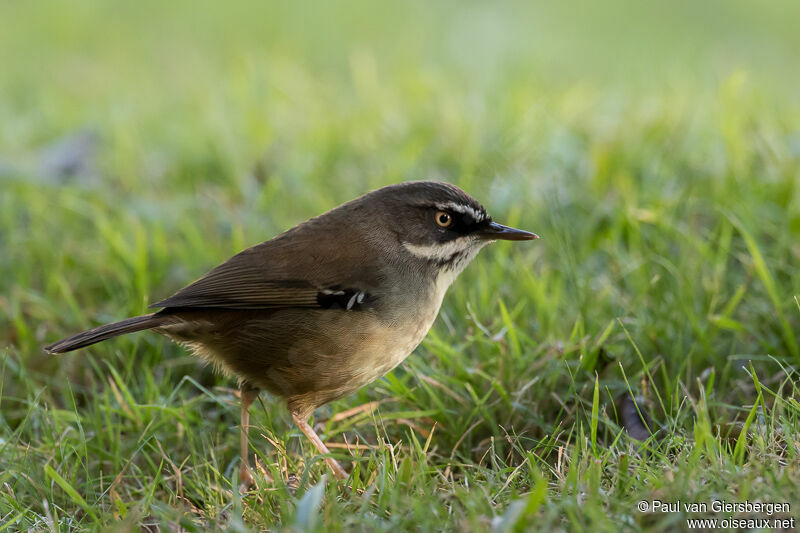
438 222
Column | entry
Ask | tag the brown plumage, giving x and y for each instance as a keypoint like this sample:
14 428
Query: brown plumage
328 306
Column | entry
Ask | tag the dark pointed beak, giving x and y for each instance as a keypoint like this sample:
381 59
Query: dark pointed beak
499 231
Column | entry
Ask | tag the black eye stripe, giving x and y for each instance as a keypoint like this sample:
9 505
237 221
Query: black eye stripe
461 223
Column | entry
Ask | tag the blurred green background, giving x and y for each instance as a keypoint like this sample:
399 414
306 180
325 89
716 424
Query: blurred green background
655 146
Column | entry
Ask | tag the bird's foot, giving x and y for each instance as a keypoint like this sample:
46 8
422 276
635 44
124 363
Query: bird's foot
309 432
246 480
338 471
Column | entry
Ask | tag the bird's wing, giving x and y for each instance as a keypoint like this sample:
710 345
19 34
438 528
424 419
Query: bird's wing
268 275
243 293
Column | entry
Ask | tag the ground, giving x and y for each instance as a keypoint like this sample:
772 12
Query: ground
656 150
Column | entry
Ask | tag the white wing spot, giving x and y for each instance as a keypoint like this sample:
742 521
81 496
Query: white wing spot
328 292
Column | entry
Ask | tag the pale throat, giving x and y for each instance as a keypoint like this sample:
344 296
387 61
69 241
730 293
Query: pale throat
453 256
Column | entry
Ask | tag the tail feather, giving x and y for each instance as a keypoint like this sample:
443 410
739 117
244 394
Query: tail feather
101 333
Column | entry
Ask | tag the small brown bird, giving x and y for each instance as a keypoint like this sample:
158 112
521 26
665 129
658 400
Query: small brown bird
328 306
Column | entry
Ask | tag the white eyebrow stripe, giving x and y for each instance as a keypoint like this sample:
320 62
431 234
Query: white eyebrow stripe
462 208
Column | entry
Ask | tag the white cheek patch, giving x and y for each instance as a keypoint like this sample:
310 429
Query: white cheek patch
465 209
439 252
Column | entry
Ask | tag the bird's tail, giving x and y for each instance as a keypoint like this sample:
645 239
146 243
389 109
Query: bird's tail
101 333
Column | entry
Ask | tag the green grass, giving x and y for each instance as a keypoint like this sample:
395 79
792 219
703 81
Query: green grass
662 170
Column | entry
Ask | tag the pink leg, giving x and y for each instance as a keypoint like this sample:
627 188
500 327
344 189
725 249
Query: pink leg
309 432
248 396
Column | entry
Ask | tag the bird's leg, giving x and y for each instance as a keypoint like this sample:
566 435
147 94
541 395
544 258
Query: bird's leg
248 396
309 432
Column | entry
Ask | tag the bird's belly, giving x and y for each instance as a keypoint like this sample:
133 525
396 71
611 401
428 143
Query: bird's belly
379 355
308 356
351 358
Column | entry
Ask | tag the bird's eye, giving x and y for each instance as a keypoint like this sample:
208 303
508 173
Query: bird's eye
443 218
